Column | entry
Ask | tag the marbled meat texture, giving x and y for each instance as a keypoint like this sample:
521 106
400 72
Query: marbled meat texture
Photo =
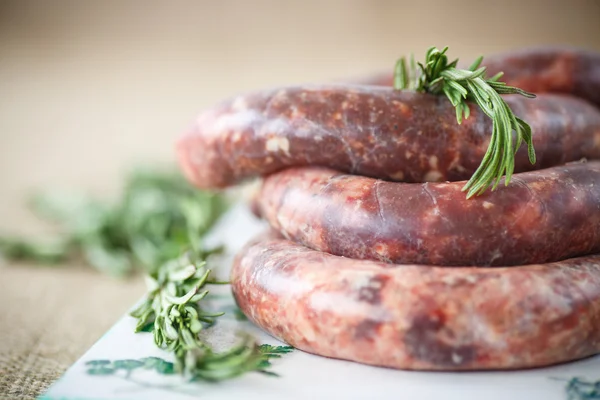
541 216
421 317
372 131
452 312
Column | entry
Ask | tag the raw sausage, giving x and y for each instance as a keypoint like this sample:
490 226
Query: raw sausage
421 317
540 70
372 131
382 133
542 216
452 312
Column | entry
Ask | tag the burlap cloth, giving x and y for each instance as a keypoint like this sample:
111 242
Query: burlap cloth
88 88
49 317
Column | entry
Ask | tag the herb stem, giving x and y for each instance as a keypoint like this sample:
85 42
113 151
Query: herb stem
438 76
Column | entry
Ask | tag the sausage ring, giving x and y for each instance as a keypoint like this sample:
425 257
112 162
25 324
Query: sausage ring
421 317
376 255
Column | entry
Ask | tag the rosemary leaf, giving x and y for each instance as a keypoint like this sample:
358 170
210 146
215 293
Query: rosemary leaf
438 76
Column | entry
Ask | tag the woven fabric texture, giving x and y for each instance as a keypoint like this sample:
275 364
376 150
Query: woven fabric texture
44 328
89 88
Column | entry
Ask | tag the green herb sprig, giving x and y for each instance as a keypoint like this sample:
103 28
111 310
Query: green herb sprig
438 76
157 225
173 312
157 216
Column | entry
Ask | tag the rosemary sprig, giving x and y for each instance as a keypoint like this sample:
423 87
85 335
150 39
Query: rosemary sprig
173 312
158 224
438 76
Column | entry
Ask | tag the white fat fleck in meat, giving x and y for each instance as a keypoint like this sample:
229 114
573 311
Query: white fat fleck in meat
451 280
433 162
309 233
487 205
495 255
482 329
433 176
364 280
455 164
397 176
456 358
236 137
373 116
358 205
277 126
275 144
597 139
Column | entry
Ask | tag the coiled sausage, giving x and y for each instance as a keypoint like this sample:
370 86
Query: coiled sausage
373 131
421 317
542 216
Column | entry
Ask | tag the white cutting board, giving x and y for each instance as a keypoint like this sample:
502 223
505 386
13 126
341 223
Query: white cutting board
303 376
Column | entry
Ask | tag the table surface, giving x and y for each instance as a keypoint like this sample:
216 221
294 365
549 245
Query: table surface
91 88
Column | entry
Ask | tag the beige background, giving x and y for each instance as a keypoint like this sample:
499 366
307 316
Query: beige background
89 88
